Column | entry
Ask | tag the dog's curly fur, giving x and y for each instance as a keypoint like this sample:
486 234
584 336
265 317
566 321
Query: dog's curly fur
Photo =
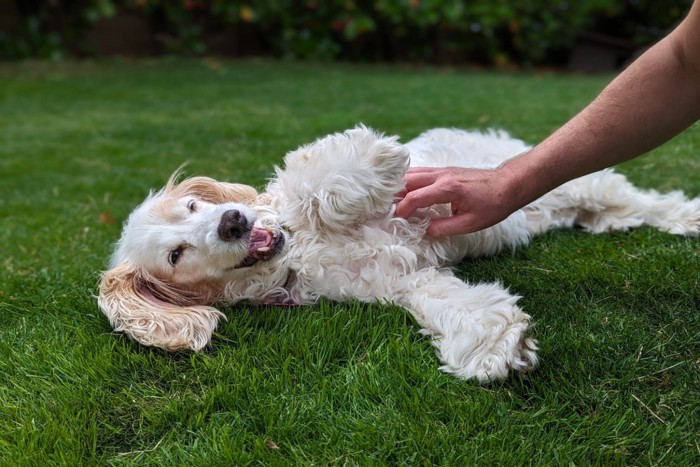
324 227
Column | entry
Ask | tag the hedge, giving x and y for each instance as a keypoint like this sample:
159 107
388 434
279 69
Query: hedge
525 32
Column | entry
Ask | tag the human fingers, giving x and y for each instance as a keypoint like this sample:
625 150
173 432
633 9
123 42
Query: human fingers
420 198
453 225
414 180
415 170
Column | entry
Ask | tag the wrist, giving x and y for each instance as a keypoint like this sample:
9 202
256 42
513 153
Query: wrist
519 187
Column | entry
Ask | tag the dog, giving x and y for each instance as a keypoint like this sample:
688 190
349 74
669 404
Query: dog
324 227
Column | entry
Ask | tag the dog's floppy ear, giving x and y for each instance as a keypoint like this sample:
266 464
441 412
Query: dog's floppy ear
212 191
153 313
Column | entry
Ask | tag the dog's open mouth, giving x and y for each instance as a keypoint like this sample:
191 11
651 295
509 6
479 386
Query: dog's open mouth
263 244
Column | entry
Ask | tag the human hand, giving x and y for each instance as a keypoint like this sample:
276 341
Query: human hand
479 198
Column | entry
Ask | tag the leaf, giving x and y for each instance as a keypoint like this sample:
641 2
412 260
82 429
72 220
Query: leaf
106 217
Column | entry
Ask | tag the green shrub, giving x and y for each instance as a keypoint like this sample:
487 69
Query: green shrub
481 31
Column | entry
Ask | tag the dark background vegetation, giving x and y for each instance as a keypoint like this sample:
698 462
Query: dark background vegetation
486 32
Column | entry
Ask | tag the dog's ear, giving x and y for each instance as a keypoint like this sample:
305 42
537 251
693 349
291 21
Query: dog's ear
154 313
212 191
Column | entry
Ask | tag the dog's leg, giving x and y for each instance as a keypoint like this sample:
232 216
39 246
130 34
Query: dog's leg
340 180
606 200
478 330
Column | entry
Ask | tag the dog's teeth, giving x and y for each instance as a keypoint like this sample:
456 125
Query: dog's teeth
263 249
269 229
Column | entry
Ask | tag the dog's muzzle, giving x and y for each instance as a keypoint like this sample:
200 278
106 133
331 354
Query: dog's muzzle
263 243
233 225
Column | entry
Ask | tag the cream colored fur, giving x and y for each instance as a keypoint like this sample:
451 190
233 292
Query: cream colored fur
324 227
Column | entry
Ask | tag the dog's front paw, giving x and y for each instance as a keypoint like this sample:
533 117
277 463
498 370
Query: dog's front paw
491 352
496 366
341 179
487 363
478 330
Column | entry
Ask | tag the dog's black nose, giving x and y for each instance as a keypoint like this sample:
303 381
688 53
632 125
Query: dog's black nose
233 225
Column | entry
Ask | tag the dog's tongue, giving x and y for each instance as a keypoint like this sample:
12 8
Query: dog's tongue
260 244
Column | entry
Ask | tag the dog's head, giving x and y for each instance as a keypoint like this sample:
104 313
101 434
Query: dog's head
178 252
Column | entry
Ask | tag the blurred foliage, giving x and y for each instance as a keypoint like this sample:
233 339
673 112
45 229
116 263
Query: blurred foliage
479 31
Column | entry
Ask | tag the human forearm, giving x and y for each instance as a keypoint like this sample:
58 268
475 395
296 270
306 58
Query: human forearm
649 103
653 100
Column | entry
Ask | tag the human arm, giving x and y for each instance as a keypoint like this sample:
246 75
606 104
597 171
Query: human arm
654 99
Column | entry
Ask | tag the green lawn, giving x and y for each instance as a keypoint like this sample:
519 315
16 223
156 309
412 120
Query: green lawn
81 144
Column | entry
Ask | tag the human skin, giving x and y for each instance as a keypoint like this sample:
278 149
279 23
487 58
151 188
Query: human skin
654 99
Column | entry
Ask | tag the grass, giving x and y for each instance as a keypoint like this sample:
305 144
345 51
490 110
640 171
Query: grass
80 145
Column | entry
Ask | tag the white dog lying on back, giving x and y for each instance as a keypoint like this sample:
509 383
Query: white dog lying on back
324 227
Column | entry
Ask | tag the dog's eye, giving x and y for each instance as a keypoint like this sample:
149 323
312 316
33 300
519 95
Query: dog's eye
175 255
192 205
